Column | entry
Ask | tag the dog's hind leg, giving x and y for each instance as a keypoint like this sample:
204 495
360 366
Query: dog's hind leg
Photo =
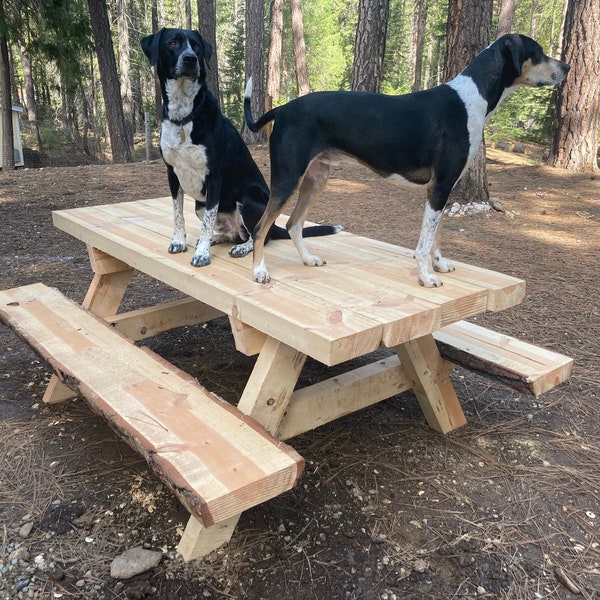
272 211
312 185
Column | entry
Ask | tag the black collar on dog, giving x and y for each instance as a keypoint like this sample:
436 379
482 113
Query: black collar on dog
191 116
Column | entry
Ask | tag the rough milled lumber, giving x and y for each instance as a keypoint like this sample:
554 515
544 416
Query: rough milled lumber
525 367
218 461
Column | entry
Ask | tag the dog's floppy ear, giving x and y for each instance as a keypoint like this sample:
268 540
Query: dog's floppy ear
207 51
150 45
206 47
513 47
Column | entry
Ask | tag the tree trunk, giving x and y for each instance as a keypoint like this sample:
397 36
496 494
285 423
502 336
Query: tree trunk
275 45
207 25
8 153
255 63
299 48
28 84
418 43
119 141
576 122
463 44
157 91
369 45
188 14
125 67
506 18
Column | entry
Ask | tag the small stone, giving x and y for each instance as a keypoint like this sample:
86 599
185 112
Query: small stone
133 562
496 204
420 565
21 553
26 529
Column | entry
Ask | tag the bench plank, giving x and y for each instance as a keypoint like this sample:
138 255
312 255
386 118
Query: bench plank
525 367
218 461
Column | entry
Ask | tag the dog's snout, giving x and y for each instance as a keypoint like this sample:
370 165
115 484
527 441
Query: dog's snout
189 59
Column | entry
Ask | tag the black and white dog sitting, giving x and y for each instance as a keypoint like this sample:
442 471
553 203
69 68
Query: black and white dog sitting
204 153
427 137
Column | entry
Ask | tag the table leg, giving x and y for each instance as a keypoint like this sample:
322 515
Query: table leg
272 381
111 278
435 392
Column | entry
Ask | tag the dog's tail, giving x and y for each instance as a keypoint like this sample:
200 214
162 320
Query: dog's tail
280 233
266 118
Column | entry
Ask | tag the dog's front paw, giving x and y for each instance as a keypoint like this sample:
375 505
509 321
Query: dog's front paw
441 265
313 261
428 280
177 247
241 250
261 276
200 259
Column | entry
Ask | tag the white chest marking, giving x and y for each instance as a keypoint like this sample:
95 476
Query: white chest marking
476 107
188 160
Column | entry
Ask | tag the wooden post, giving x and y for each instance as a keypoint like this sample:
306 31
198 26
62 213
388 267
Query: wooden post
428 371
198 540
148 135
272 381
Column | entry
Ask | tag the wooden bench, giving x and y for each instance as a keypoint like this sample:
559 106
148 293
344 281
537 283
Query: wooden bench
216 460
525 367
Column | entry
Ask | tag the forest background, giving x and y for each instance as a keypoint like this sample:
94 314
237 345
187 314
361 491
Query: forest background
54 55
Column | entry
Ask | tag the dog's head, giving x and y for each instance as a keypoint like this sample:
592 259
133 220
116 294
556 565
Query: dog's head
178 53
528 63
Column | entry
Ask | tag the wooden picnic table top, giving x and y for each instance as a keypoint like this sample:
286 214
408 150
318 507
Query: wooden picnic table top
366 296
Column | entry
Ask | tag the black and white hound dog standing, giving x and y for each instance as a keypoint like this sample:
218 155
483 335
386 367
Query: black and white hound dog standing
205 155
426 137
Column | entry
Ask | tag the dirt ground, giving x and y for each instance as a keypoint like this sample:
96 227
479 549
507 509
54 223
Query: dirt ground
508 507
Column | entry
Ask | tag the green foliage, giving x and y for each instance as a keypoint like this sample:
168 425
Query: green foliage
57 37
329 33
61 33
526 116
230 42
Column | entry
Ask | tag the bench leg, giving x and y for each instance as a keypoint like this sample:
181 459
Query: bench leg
422 362
197 540
57 392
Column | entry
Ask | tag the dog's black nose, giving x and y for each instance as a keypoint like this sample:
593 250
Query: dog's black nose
189 59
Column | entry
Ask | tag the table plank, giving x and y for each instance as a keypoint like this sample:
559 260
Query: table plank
366 296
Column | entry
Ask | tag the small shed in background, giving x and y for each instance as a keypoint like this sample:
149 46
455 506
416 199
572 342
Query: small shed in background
18 142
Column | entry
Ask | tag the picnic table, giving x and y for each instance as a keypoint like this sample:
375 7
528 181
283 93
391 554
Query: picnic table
219 459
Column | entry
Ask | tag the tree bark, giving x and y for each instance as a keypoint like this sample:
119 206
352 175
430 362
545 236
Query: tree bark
506 18
157 91
255 63
576 122
207 25
369 45
119 141
274 61
299 48
418 43
125 68
463 44
8 153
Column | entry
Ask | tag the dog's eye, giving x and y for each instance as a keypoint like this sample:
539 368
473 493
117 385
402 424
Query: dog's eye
196 47
173 44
